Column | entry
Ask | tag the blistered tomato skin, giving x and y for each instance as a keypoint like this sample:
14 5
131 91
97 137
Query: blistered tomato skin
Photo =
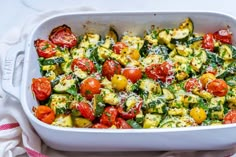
217 87
83 64
133 74
63 36
159 71
86 110
41 88
110 68
45 114
208 41
45 48
192 84
99 126
230 117
109 115
89 87
118 47
223 36
122 124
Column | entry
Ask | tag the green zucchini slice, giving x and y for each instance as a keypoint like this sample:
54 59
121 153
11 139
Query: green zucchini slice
179 35
53 60
66 85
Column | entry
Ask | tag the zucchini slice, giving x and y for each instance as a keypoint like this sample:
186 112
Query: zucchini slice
98 105
151 120
227 52
230 70
157 106
103 53
89 39
134 124
188 23
63 120
53 60
179 35
167 94
82 122
66 85
111 38
59 103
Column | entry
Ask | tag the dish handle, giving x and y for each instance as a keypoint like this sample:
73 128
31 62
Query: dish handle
9 68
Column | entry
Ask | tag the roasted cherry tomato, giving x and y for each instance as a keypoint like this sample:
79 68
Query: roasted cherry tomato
109 116
100 126
217 87
208 41
111 67
132 73
86 110
45 114
230 117
45 48
192 84
89 87
118 47
198 114
119 82
41 88
63 36
206 78
122 124
83 64
159 71
223 36
131 113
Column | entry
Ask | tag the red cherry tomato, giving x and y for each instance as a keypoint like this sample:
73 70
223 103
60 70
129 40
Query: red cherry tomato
63 36
208 42
192 84
217 87
133 74
45 114
122 124
109 116
110 67
89 87
45 48
132 112
159 71
41 88
223 36
118 47
86 110
230 117
100 126
83 64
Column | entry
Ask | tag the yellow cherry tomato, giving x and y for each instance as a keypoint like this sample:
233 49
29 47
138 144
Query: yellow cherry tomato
198 114
206 78
119 82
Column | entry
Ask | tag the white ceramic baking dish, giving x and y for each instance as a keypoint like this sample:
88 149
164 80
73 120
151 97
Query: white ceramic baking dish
78 139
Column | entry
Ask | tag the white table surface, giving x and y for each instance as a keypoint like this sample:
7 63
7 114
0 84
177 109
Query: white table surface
14 12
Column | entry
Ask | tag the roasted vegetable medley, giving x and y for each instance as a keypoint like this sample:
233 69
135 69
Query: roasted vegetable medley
169 77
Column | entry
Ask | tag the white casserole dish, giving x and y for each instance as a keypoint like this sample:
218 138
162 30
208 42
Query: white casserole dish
78 139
